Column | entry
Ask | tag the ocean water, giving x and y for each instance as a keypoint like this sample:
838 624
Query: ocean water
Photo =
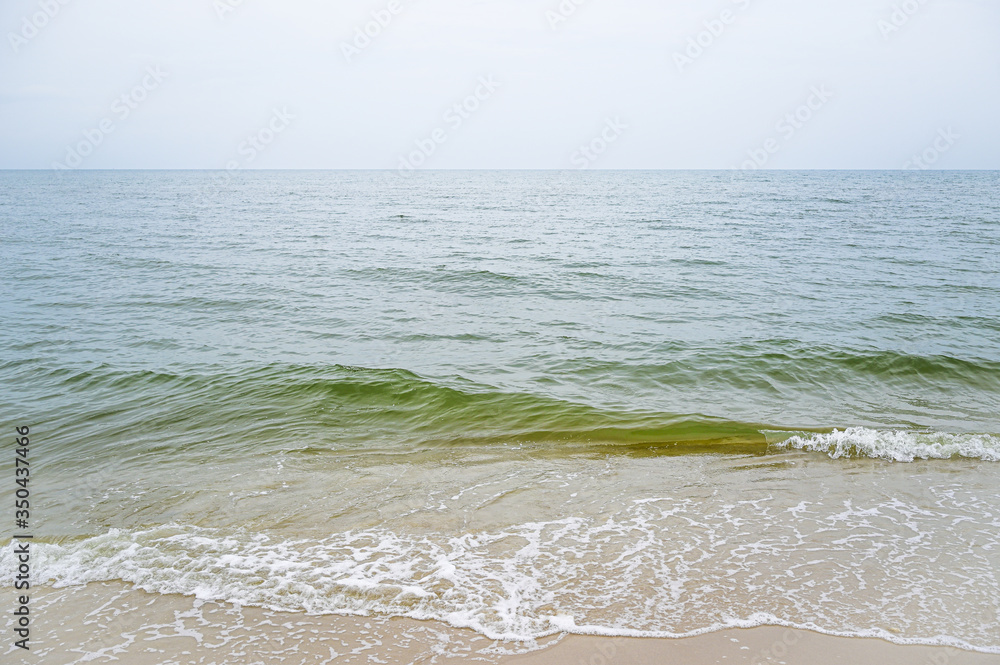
629 403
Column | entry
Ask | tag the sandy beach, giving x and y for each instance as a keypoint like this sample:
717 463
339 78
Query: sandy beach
111 622
754 646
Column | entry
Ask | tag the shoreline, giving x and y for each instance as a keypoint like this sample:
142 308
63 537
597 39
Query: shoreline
114 622
754 646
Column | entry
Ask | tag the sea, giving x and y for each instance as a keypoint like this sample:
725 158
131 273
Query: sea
517 403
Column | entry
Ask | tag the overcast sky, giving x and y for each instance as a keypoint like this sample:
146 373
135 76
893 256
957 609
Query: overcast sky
537 84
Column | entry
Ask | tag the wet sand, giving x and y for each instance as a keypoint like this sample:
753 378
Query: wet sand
754 646
112 622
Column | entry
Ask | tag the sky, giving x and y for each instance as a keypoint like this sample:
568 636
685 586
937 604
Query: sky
527 84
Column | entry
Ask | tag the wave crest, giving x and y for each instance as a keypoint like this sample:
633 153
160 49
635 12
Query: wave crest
897 445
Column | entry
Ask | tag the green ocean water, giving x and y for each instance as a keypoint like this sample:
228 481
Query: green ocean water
335 356
563 302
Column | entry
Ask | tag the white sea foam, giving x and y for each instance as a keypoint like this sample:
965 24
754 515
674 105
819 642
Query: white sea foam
662 567
896 445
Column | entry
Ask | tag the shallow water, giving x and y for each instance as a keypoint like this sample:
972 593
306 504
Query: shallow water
631 402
